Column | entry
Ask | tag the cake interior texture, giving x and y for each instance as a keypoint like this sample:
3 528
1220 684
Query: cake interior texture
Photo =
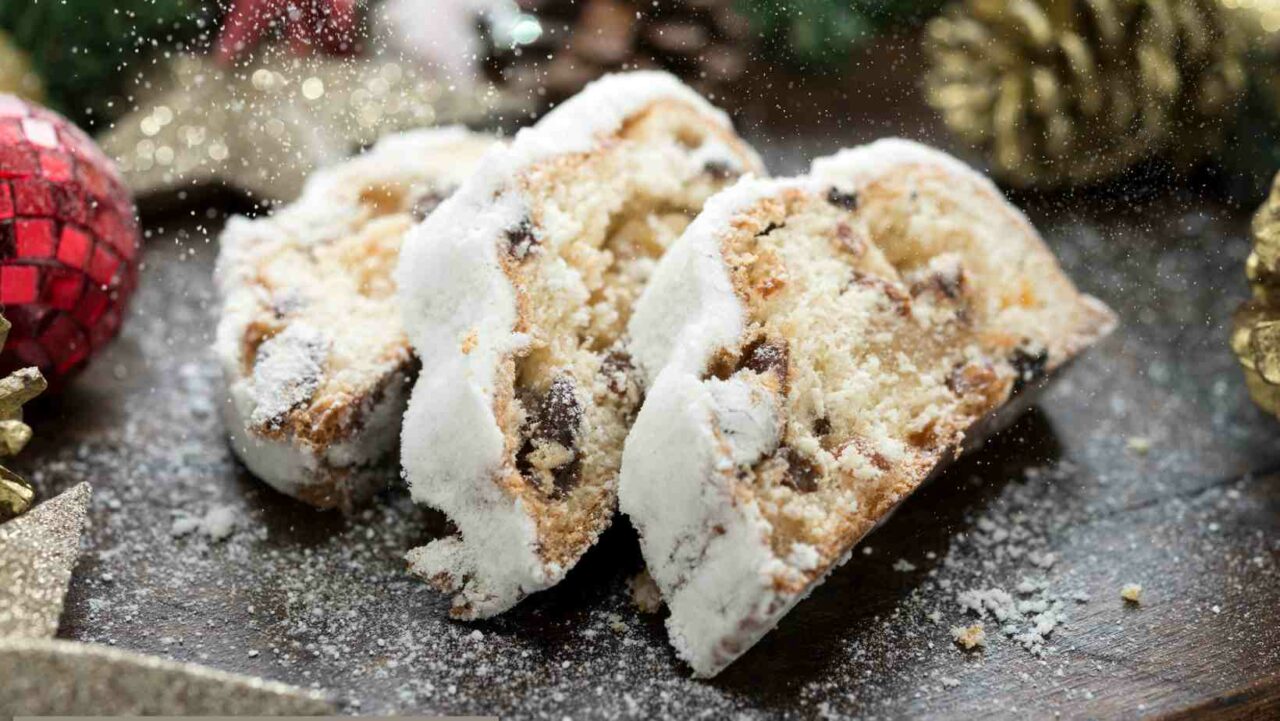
310 320
882 352
881 322
599 223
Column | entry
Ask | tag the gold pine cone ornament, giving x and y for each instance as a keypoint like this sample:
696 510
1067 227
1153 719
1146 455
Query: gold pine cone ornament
1060 92
1255 337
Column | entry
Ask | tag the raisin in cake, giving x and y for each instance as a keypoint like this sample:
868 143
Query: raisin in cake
316 361
813 349
516 293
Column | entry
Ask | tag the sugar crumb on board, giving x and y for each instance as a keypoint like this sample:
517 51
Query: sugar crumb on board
645 595
1131 593
969 637
217 524
1139 445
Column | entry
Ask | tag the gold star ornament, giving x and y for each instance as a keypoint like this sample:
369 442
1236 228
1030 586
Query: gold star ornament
16 74
49 677
37 555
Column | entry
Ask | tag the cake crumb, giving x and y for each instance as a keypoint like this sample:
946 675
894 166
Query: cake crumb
1043 560
902 565
217 524
220 522
1131 592
644 592
969 637
1139 445
469 342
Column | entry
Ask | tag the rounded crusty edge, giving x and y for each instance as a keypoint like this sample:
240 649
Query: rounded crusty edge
453 287
342 475
677 472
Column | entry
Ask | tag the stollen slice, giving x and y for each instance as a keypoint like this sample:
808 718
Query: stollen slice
813 350
516 294
316 363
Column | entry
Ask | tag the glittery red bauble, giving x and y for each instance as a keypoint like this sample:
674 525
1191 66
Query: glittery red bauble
69 242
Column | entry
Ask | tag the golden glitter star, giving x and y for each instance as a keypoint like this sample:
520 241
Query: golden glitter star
37 553
49 677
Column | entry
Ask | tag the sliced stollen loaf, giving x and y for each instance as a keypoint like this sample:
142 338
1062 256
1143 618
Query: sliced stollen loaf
316 363
516 293
813 350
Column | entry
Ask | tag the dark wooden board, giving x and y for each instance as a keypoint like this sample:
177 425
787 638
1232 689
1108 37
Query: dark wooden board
321 599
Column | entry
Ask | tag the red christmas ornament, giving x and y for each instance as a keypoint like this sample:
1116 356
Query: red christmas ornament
331 26
69 242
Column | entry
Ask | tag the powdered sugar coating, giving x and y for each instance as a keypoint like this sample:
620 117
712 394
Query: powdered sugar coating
292 468
693 429
690 525
287 372
460 311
